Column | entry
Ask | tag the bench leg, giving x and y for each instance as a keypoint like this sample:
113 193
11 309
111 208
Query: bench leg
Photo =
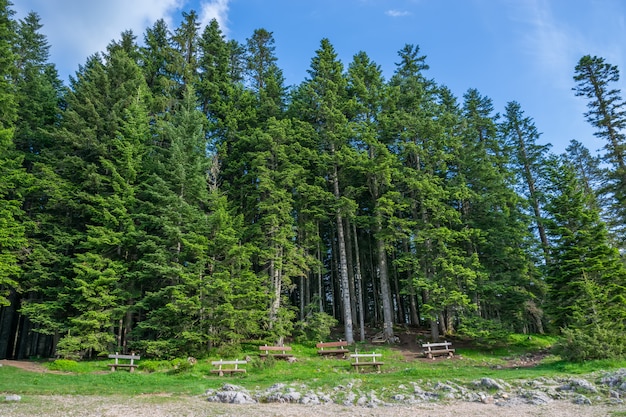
112 368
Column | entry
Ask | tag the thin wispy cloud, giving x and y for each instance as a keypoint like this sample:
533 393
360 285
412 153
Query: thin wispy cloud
215 9
556 45
397 13
550 44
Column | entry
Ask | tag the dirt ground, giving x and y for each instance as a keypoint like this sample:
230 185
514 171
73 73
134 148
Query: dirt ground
170 406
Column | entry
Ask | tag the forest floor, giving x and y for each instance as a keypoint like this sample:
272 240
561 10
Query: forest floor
409 345
165 405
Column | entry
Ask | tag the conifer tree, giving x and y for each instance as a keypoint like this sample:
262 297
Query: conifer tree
596 81
38 90
161 65
418 131
265 77
379 166
586 276
509 291
185 39
528 159
326 95
591 175
106 186
12 176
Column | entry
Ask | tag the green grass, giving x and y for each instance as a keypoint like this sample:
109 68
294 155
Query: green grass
177 377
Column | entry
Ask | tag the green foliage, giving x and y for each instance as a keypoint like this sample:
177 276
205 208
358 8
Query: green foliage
283 324
315 327
180 366
70 347
488 333
65 365
174 199
152 365
229 350
593 343
261 364
157 349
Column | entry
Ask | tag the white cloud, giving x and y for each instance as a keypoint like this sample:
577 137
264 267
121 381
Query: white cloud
546 41
216 9
76 29
397 13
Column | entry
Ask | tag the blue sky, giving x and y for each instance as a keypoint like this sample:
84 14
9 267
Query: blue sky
521 50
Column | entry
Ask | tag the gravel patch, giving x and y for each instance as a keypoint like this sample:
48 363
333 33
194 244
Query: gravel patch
166 406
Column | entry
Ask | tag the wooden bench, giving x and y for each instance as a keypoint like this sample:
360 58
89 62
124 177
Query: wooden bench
373 362
436 349
278 352
131 366
326 348
228 367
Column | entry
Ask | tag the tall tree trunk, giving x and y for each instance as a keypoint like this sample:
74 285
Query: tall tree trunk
350 255
343 264
534 199
359 285
385 291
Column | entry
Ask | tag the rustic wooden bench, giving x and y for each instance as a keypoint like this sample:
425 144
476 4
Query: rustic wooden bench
436 349
278 352
373 362
228 367
131 366
332 348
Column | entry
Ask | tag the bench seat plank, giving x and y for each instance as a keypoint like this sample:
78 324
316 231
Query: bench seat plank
440 348
373 362
324 348
131 366
232 367
281 352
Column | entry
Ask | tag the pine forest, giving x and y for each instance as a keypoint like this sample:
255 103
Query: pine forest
176 196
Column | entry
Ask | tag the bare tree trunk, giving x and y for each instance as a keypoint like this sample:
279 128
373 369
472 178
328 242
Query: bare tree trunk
276 287
534 199
359 284
343 264
385 291
349 257
320 287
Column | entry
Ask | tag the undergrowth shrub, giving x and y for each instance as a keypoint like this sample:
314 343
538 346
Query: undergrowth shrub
64 365
488 333
229 350
259 363
180 366
316 327
157 349
578 345
153 366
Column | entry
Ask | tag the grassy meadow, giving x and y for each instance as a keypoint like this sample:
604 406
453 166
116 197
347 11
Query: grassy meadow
177 376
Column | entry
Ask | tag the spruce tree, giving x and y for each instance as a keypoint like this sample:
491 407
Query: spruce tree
596 81
161 65
38 90
379 166
509 290
265 77
422 138
325 93
586 275
528 158
12 176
